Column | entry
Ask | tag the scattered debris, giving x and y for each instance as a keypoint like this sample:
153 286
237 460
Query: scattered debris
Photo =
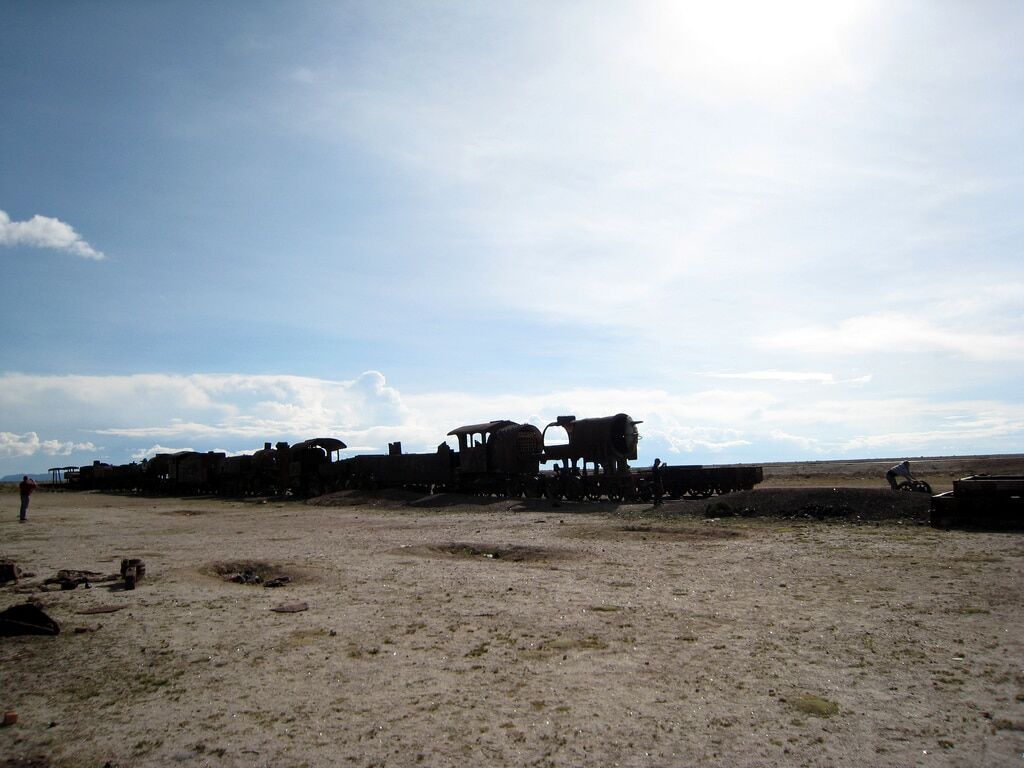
68 578
291 607
26 619
10 717
258 573
857 505
101 609
248 576
86 629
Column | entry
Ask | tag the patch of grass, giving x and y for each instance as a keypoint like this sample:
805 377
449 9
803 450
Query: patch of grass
357 652
976 557
1008 725
150 682
810 704
82 690
591 643
300 637
478 651
145 746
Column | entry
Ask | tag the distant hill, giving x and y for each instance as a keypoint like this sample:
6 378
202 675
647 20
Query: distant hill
43 478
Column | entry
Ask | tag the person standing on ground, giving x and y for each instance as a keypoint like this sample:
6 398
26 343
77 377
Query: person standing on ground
659 483
26 486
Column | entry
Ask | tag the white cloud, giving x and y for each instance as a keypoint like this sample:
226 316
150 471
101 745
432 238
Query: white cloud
808 444
64 448
45 232
29 444
153 450
238 413
796 376
18 445
898 333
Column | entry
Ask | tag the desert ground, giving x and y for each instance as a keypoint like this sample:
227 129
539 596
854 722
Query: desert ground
816 620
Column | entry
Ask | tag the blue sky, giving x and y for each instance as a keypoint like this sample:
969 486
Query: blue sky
771 231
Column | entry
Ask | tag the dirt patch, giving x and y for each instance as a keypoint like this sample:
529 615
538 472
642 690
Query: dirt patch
188 512
463 551
657 531
863 504
391 498
641 532
441 500
258 573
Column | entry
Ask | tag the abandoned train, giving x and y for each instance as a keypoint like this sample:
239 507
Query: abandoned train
588 458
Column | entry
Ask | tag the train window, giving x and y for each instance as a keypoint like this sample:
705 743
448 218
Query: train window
556 436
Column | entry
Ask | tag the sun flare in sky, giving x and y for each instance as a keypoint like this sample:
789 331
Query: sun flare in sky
761 49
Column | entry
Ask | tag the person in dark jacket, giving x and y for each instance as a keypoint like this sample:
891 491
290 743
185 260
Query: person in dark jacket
26 486
657 472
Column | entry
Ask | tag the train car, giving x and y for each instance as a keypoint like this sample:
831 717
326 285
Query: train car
235 475
424 472
309 465
499 457
696 481
184 472
100 476
990 501
197 473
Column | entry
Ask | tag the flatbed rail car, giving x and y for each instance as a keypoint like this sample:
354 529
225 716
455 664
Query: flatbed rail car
988 501
700 482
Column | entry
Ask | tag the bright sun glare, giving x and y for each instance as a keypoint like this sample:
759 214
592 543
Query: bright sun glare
753 45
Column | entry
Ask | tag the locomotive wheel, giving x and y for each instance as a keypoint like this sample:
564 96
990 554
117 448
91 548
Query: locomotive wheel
615 495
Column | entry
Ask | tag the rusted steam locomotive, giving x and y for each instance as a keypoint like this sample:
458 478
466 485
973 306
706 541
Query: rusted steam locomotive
588 458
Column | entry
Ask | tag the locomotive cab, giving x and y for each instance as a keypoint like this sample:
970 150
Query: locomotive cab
501 447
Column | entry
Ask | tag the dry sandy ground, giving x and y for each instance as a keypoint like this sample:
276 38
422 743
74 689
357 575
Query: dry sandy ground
480 635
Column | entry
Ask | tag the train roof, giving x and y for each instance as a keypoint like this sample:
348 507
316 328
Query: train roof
327 443
472 429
